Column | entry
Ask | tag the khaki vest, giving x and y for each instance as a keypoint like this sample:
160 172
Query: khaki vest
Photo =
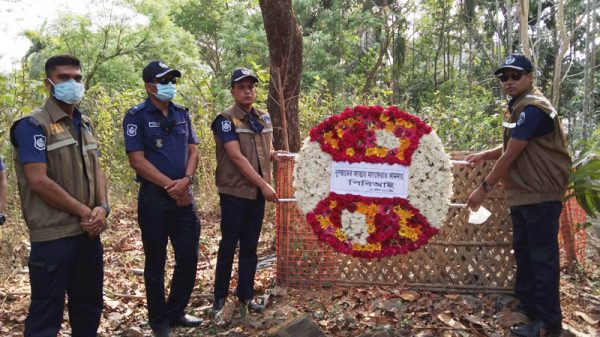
256 147
541 171
71 164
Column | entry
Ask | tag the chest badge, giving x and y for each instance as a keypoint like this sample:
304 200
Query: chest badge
159 143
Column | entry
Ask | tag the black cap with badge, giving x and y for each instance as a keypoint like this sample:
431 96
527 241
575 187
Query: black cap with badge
241 73
517 62
158 69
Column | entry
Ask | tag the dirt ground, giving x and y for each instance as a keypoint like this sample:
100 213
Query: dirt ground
338 311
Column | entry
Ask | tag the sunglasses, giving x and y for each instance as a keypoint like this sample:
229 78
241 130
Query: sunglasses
166 80
513 76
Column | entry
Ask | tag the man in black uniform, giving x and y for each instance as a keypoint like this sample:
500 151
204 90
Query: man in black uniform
162 148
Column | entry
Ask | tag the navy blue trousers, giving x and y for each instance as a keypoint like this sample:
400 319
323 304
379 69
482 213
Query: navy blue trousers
161 219
241 221
535 242
71 265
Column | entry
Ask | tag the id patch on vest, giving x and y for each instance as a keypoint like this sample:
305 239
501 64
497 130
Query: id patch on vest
226 126
131 130
39 142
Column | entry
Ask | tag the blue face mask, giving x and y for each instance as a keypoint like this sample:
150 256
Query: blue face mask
70 92
165 92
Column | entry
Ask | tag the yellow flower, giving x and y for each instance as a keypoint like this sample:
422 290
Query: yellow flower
384 118
324 221
350 121
332 204
371 226
340 235
350 152
409 232
389 126
369 247
403 214
367 209
340 133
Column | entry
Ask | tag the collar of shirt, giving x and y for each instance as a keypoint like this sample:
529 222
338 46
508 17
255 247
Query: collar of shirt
56 113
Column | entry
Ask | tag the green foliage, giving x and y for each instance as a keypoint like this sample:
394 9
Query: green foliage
584 180
420 56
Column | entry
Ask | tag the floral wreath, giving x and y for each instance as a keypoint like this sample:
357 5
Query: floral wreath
370 226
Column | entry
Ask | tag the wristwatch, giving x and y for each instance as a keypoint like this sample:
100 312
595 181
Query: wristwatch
2 219
106 208
191 178
486 187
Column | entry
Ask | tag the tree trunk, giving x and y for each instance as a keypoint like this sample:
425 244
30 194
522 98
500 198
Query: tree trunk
564 47
588 106
524 27
509 26
285 57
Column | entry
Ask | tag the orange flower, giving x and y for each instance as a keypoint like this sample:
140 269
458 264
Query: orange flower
350 152
377 151
332 204
406 124
404 144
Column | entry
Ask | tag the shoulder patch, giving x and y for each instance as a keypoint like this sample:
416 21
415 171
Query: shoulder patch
39 142
521 118
131 130
225 126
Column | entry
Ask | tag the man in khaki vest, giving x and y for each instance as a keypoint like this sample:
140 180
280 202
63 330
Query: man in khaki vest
3 191
63 199
533 164
244 149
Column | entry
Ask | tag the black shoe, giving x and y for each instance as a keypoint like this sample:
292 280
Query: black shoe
165 331
187 321
535 328
253 306
218 306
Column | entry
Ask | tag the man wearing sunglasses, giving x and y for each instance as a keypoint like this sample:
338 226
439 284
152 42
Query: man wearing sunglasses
533 164
3 192
162 149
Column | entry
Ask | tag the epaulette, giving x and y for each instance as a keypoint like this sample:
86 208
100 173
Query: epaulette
33 121
133 110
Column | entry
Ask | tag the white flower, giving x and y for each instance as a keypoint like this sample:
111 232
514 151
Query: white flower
354 225
312 173
430 182
429 185
387 139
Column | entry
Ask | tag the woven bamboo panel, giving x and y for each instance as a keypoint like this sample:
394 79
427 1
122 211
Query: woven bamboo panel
461 257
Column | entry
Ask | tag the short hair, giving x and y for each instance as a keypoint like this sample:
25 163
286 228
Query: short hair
61 60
